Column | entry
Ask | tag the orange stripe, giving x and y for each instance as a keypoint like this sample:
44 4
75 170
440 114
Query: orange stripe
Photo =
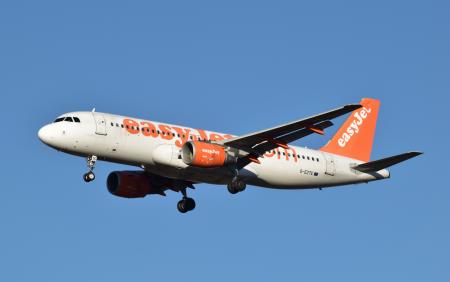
280 144
316 130
253 159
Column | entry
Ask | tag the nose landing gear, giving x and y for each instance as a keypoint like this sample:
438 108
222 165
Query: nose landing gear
90 176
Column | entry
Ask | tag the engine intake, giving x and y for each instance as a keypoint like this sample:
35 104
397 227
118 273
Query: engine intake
205 155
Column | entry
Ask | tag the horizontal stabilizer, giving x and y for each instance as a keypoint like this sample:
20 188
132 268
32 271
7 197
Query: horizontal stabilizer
385 163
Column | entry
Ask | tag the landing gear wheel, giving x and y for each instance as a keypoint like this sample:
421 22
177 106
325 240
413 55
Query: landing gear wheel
185 205
189 203
236 186
88 177
232 189
181 207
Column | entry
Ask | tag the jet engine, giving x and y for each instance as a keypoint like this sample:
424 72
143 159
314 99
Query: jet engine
205 155
132 184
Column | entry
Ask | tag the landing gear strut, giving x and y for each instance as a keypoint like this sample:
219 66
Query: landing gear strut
90 176
186 204
236 185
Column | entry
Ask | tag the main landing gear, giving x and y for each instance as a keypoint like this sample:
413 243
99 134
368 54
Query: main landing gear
186 204
236 186
90 176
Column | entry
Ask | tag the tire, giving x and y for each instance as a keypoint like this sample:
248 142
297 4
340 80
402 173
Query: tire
241 186
189 204
181 206
86 178
91 176
232 189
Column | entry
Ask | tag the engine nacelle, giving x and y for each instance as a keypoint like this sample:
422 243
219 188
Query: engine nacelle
130 184
205 155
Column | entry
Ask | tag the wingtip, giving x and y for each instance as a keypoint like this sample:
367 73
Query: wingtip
353 106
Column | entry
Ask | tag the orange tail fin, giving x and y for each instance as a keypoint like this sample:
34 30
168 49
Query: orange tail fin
355 138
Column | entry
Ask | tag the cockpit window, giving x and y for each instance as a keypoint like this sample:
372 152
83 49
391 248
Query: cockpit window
69 119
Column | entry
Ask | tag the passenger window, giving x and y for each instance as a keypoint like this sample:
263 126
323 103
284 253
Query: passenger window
173 134
76 119
59 119
307 158
317 159
69 119
112 124
313 159
303 157
122 125
117 125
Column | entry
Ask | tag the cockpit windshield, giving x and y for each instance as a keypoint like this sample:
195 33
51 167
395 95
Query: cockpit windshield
69 119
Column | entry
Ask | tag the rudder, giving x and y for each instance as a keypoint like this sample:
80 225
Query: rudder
355 138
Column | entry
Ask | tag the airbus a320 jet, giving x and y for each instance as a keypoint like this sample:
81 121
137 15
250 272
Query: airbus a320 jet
173 157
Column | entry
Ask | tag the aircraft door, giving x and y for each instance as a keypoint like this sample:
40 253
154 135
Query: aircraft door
100 123
330 165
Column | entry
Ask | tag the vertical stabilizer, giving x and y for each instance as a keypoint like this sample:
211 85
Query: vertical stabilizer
355 138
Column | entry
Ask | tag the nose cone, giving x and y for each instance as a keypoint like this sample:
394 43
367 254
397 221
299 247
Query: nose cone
45 134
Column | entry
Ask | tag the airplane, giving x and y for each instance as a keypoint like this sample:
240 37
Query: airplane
172 157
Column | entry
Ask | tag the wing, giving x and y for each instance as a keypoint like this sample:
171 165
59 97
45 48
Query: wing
289 132
255 144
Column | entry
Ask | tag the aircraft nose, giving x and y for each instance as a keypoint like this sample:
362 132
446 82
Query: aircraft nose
45 134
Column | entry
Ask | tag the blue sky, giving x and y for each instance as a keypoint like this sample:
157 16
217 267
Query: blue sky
233 67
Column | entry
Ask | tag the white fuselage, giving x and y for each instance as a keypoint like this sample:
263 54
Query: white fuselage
156 147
